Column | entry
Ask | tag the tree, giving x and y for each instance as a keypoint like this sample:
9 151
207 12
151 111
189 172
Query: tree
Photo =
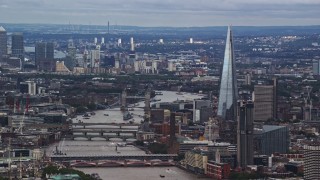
92 106
158 148
55 170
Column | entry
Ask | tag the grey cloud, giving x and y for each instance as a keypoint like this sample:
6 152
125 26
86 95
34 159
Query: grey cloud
163 12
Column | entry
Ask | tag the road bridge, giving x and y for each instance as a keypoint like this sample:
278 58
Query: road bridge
121 163
104 124
93 157
107 137
104 130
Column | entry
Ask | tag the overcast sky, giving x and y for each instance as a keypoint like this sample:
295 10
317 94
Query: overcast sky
162 12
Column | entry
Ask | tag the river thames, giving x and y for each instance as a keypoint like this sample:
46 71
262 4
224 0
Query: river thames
141 173
100 146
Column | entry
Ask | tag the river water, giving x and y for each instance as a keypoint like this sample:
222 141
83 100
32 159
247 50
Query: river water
100 146
141 173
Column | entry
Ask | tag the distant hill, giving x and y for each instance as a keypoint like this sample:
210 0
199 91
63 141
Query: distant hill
201 32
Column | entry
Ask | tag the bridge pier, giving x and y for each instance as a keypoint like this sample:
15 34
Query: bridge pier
89 138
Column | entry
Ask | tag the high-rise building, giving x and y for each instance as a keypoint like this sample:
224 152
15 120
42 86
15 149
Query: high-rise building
271 139
245 134
44 56
191 40
17 47
71 49
265 102
228 94
119 42
132 55
95 58
311 161
102 40
316 67
70 61
3 42
172 128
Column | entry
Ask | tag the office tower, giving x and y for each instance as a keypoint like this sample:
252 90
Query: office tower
228 94
191 40
70 61
95 58
265 101
108 27
245 134
247 79
172 128
271 139
131 44
17 47
119 42
102 40
132 55
312 161
71 49
44 56
3 42
316 67
202 110
95 40
161 41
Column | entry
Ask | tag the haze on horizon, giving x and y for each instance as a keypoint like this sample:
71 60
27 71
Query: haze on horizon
175 13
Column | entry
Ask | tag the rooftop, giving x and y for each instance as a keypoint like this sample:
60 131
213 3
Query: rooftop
2 29
267 128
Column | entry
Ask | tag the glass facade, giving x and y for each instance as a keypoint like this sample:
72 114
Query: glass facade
272 139
228 85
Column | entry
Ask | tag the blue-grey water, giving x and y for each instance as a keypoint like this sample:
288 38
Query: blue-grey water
100 146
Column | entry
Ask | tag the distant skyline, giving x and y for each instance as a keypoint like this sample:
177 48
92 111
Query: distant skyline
175 13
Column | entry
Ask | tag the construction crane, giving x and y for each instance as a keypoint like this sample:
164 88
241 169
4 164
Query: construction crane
26 110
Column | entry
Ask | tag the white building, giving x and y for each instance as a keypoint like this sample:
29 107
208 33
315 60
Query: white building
95 58
32 87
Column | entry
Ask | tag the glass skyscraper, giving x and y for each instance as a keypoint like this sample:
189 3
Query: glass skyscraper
228 86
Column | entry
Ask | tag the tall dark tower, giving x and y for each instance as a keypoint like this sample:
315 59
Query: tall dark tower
172 128
245 134
3 42
17 47
44 56
228 94
108 28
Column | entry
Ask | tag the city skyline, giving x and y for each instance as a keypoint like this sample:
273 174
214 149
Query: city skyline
163 13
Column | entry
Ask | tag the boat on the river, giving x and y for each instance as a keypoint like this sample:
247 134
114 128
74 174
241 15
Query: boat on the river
86 115
162 176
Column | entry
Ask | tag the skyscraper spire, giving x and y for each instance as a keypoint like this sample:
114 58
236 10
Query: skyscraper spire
228 87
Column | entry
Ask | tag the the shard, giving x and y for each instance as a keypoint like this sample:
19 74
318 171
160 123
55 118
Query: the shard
228 94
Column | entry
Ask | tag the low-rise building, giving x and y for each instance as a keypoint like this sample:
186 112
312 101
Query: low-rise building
218 170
